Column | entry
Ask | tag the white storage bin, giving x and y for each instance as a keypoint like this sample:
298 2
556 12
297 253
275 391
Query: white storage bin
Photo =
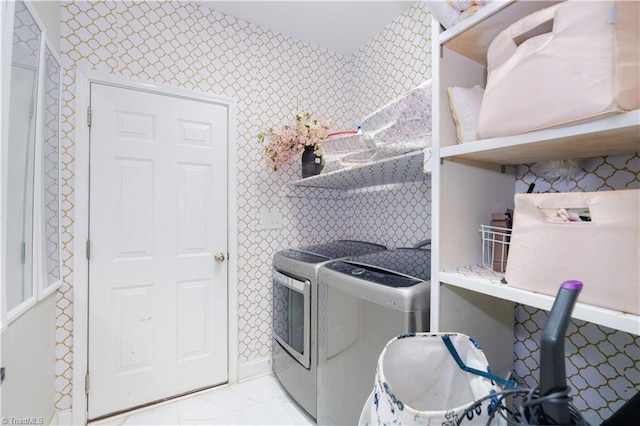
587 66
547 247
336 148
402 125
415 105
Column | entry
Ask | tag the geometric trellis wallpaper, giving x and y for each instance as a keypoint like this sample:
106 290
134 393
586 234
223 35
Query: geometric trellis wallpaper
603 365
270 75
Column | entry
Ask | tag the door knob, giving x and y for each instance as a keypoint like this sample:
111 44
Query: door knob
219 257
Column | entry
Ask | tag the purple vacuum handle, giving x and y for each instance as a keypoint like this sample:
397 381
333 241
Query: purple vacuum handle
553 376
572 285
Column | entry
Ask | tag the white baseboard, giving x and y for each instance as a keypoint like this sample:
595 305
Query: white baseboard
255 368
61 418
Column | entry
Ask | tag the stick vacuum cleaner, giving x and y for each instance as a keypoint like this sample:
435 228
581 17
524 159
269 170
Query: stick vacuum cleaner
553 376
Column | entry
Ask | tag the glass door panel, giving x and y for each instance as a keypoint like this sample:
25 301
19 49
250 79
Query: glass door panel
21 156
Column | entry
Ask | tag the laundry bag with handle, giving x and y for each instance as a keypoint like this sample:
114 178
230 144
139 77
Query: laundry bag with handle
431 379
593 237
575 61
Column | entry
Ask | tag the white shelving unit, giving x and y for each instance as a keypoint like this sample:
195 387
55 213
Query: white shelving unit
472 36
483 280
468 184
401 168
617 134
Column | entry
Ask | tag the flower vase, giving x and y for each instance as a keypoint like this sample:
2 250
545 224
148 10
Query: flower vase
310 167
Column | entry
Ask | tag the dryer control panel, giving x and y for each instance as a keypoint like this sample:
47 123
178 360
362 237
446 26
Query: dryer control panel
373 274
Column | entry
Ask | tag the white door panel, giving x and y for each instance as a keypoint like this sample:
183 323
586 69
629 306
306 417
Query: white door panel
158 214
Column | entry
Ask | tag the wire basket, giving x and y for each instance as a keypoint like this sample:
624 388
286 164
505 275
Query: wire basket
495 247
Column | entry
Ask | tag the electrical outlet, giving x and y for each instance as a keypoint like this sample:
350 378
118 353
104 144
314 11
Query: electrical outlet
271 220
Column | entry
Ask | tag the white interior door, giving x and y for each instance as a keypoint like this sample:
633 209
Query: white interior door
158 217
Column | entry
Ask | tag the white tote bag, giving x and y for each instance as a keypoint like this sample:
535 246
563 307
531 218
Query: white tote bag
586 66
548 246
419 381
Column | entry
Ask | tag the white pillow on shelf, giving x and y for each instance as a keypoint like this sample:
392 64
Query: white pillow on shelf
444 13
465 109
450 12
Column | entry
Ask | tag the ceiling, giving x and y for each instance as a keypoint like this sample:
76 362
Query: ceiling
341 26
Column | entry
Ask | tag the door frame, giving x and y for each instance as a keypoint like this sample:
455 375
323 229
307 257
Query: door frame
80 269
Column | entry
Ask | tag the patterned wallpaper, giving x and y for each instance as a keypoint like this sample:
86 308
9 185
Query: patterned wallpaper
589 174
395 61
603 365
271 76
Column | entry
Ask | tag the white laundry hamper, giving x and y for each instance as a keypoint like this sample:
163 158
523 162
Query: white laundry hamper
431 379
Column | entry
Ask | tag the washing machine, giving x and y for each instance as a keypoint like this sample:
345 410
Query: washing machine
364 302
295 314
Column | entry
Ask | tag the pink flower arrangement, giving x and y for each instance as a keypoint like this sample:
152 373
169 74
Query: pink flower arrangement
282 145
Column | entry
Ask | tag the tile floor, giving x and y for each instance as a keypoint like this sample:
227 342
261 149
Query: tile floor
261 401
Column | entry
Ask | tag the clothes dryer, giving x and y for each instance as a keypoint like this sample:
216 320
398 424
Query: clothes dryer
295 291
364 302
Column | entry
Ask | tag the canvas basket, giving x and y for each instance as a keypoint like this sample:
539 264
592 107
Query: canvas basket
548 247
571 62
